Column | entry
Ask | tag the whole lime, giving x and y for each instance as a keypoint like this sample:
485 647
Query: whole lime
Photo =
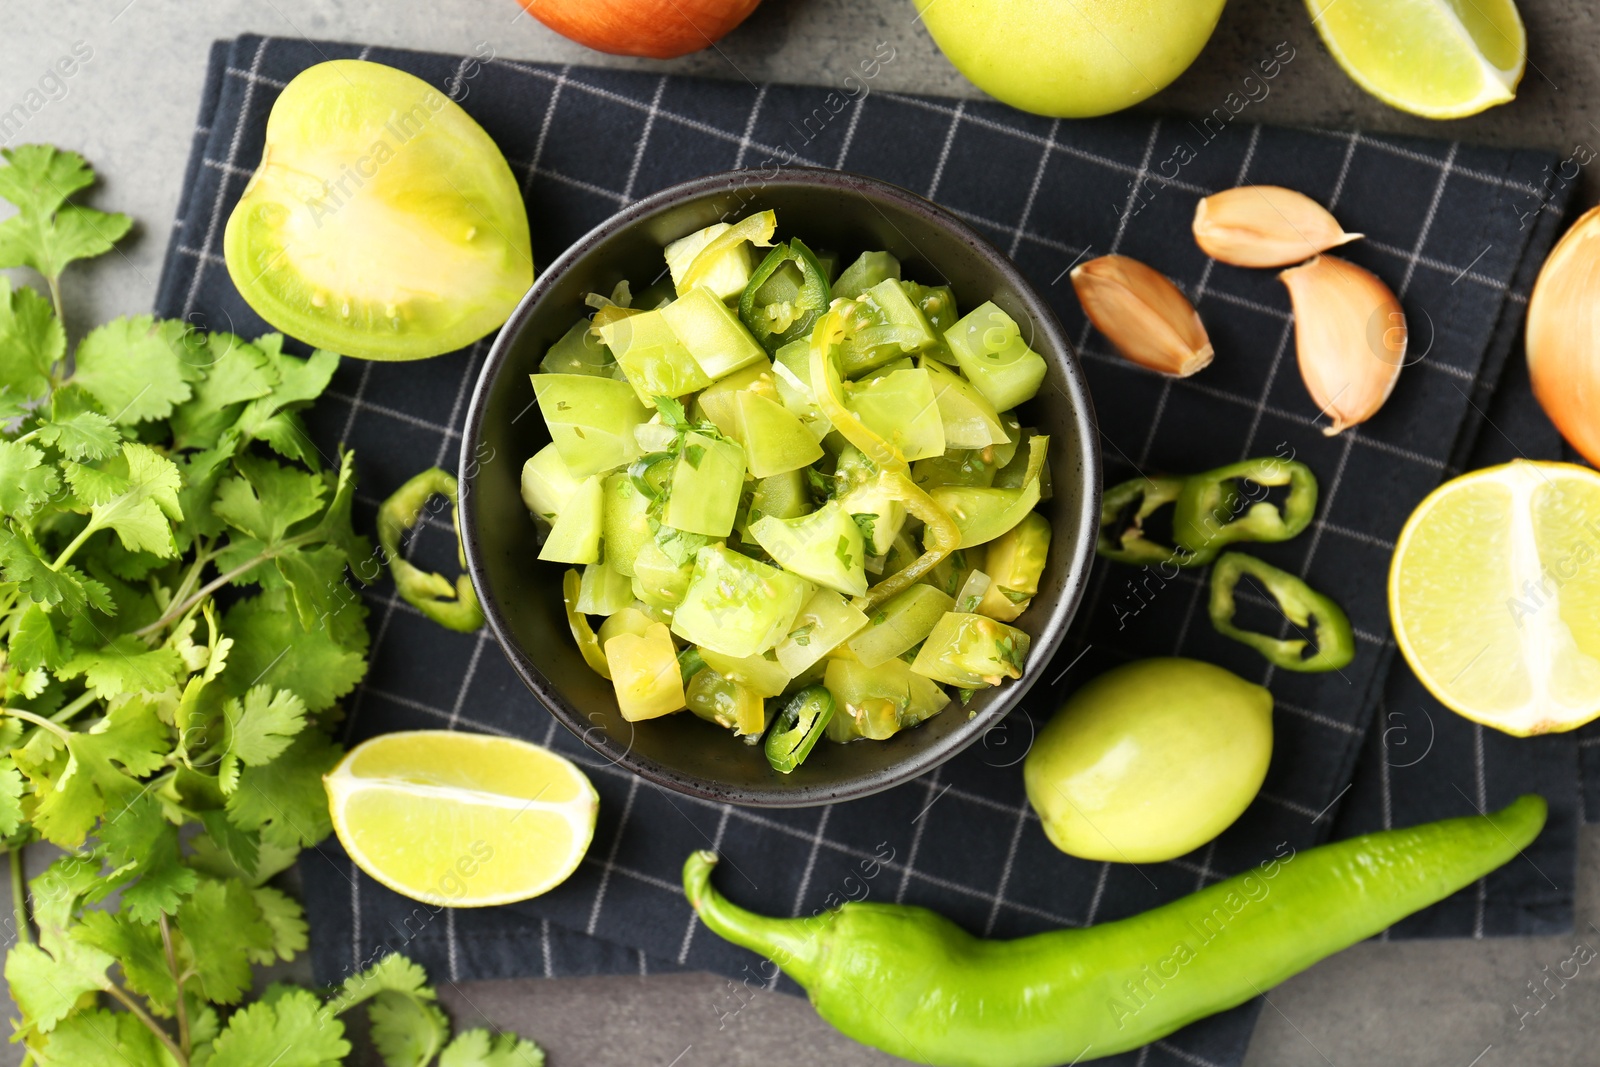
1071 58
1150 760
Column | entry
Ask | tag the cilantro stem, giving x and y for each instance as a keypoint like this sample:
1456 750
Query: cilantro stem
84 700
19 896
77 542
177 979
39 721
177 611
54 282
154 1027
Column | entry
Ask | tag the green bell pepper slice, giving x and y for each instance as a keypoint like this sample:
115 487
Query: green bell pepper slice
1206 515
785 297
454 607
1300 604
798 728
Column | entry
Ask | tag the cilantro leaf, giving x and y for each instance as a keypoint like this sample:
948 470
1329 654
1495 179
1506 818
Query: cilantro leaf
407 1026
315 577
293 1030
47 979
68 587
99 1038
126 665
235 372
76 777
479 1048
26 484
259 728
136 495
284 799
81 435
222 929
33 640
142 849
287 922
137 947
272 648
47 233
135 368
239 851
672 413
31 341
10 797
268 498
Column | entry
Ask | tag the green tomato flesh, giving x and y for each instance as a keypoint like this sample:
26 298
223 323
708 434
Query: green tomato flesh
383 222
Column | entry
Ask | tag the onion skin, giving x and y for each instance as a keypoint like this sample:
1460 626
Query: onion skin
1563 336
656 29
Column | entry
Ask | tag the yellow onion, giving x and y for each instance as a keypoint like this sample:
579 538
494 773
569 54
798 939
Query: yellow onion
1563 336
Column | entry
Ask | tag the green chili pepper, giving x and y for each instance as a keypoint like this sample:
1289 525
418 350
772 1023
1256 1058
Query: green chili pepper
652 474
1211 513
1301 605
452 606
1123 511
785 295
798 727
910 982
582 632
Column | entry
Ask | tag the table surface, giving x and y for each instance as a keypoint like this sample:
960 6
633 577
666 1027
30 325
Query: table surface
130 111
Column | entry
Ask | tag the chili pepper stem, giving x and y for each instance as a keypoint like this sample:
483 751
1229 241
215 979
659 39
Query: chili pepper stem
796 945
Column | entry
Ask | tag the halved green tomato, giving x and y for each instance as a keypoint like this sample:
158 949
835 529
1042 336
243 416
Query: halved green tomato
383 222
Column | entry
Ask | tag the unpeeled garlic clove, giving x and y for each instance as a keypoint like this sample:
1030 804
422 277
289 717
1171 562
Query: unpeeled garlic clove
1265 226
1563 336
1350 338
1144 316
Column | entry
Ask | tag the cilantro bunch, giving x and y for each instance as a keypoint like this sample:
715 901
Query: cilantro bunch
176 631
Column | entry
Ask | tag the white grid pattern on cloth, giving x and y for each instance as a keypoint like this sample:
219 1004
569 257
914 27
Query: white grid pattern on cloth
561 83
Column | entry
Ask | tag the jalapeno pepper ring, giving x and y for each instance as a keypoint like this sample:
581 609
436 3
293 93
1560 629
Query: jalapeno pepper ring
774 315
1122 536
798 728
1301 605
1207 516
452 606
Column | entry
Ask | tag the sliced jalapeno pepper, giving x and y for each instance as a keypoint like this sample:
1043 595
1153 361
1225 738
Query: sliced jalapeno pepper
785 296
582 632
652 474
452 606
1123 510
798 727
1214 510
1300 604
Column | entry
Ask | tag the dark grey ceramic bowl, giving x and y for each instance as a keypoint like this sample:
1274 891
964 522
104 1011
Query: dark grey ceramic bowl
844 213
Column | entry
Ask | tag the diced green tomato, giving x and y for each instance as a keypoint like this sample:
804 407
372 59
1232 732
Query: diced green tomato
952 572
644 671
899 623
654 612
825 623
660 610
736 605
878 702
603 591
575 537
786 295
578 351
958 466
588 642
727 277
775 442
724 702
591 420
798 728
824 547
988 347
706 482
762 674
791 371
937 303
712 333
869 269
652 358
879 517
970 421
783 496
1004 453
883 326
547 485
984 514
901 409
1015 562
1014 475
973 590
658 577
971 651
717 403
625 516
655 435
628 620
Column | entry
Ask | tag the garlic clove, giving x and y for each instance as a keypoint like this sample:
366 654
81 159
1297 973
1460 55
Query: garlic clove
1350 338
1265 226
1563 336
1144 316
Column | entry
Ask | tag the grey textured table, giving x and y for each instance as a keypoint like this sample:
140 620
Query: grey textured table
130 110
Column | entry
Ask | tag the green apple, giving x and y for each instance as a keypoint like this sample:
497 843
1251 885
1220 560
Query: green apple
1071 58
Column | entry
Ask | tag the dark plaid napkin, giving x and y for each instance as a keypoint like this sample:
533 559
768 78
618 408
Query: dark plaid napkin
1456 231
